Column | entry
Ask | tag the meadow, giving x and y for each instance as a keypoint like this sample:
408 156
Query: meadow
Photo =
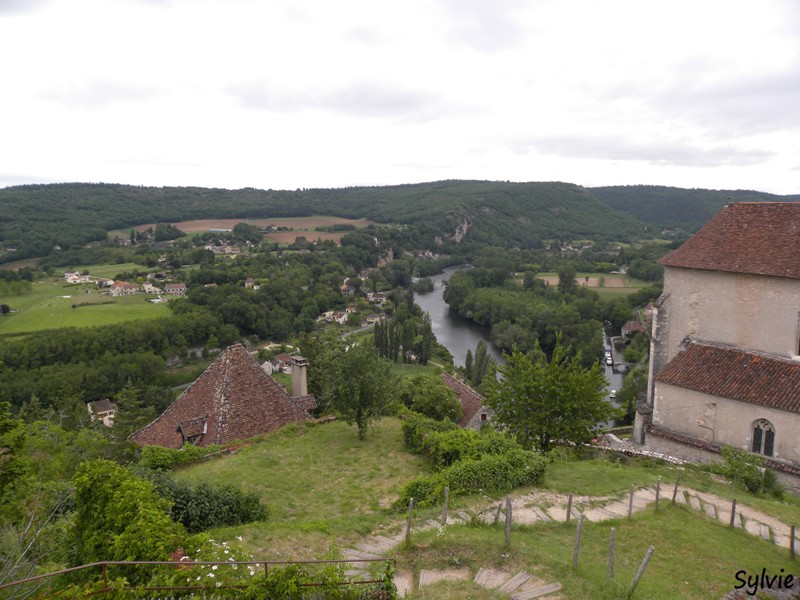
326 490
53 304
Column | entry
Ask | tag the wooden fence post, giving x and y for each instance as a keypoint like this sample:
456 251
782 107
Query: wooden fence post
497 514
444 509
611 555
640 572
630 503
733 512
658 491
675 491
791 543
508 520
410 516
569 508
577 547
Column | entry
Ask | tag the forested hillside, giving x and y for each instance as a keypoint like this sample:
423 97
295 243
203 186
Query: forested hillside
35 218
676 208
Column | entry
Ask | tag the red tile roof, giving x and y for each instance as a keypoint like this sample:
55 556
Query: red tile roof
233 399
471 401
761 238
729 373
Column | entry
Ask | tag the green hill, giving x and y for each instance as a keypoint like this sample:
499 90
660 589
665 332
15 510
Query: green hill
676 208
34 218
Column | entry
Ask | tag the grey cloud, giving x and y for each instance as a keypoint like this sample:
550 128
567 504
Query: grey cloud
746 106
359 99
99 94
676 153
486 26
18 7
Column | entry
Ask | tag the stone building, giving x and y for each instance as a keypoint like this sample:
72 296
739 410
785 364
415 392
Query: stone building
475 413
725 348
233 399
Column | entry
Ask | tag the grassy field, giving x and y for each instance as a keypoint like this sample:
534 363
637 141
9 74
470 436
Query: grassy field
49 305
322 484
608 286
326 490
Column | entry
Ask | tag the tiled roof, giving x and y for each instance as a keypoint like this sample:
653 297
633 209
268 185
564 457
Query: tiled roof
105 405
729 373
471 401
233 399
761 238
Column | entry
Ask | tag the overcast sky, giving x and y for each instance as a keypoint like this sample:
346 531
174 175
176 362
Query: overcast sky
322 93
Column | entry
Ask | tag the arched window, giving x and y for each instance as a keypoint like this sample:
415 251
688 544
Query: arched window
763 438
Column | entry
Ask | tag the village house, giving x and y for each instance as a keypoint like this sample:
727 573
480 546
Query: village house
123 288
175 289
149 288
475 412
103 411
249 283
725 349
232 400
631 327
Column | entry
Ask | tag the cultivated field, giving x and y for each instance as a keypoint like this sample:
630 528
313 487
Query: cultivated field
301 226
605 284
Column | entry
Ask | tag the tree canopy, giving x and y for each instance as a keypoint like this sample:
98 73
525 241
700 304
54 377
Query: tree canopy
542 401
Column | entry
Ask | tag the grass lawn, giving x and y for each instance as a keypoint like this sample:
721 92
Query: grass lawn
323 486
49 306
694 557
603 477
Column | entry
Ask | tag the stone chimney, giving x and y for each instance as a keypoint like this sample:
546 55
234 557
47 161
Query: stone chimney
299 384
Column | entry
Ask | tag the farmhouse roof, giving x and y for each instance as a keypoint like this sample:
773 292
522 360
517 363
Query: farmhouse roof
760 238
471 401
104 405
731 373
233 399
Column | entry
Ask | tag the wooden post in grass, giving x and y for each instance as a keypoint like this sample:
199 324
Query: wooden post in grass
444 509
611 555
508 520
630 503
410 516
733 512
577 547
640 572
675 491
569 508
791 543
658 491
497 514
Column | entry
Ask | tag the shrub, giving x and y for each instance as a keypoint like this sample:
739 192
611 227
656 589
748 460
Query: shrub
444 448
747 470
202 506
491 474
166 459
417 428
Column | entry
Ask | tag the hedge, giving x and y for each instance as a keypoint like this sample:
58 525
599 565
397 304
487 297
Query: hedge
492 474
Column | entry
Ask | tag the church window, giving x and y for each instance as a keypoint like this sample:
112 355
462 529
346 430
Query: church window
763 438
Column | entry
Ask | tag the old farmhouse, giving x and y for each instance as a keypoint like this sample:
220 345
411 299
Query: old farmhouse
233 399
475 412
725 349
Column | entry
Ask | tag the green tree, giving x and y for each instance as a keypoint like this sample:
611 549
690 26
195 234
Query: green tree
359 385
541 401
429 395
130 416
566 279
120 517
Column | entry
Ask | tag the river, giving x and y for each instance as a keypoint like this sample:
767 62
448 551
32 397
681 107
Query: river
454 333
459 335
